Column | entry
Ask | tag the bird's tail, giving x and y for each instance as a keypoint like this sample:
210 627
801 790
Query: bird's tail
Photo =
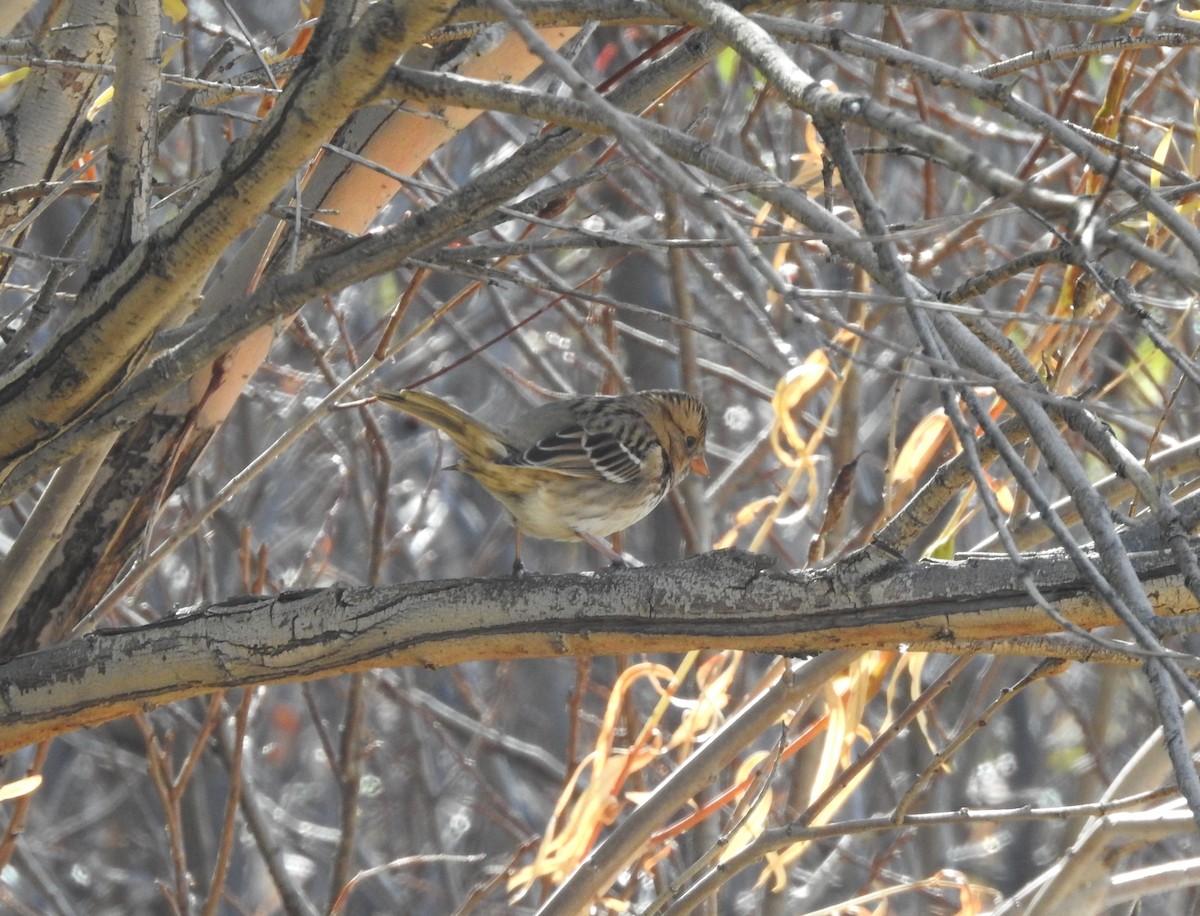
474 439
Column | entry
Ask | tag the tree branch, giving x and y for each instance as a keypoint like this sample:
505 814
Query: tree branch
115 316
730 599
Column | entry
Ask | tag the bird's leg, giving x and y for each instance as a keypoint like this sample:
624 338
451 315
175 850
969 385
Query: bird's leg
605 549
518 566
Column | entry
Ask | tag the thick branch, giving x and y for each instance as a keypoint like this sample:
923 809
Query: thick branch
727 599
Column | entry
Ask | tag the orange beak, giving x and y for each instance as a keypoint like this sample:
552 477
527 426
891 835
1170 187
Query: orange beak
700 466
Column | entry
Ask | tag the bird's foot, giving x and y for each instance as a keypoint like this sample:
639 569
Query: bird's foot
601 546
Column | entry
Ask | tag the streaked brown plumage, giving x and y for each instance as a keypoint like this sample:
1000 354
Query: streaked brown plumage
580 469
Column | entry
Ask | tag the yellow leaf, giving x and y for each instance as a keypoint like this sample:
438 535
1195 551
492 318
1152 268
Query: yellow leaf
810 164
1121 17
11 79
1193 15
176 10
754 820
19 787
1160 156
1004 496
919 450
744 517
101 100
793 391
171 51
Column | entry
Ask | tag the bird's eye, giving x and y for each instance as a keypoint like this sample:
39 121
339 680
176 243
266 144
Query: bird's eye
690 441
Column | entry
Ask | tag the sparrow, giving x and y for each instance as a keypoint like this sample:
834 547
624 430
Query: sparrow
575 470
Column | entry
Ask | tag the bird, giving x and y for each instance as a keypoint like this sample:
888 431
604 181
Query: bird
578 469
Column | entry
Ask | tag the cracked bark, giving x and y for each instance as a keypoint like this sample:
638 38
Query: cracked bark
728 599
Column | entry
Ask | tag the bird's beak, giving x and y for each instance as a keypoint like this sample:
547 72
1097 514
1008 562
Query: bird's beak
700 466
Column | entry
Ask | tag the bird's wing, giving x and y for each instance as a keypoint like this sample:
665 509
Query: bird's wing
598 453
